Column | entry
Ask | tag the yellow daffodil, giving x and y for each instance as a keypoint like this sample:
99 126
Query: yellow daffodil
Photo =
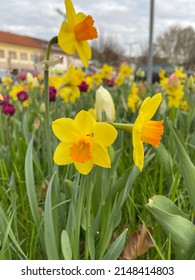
175 96
83 141
106 71
15 89
1 96
69 90
145 130
97 78
74 33
119 81
134 100
125 71
185 105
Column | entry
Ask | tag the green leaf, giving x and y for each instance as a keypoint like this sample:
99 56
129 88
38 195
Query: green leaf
7 237
66 246
187 167
174 222
49 230
30 184
116 248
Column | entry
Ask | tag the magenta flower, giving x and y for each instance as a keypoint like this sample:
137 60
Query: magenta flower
22 95
52 93
83 86
8 109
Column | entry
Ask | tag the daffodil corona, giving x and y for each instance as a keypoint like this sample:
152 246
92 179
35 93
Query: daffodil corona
145 130
84 142
75 32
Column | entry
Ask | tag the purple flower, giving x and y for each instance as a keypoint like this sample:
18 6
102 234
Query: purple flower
52 93
8 109
5 99
83 86
22 95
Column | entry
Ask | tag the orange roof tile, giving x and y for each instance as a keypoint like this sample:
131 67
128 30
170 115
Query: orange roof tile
15 39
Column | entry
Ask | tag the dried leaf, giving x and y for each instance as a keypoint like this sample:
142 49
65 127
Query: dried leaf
138 244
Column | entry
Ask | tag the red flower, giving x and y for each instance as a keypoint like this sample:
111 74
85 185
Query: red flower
8 109
52 93
22 95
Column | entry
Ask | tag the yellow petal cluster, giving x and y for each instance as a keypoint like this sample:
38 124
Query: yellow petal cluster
83 141
145 130
74 33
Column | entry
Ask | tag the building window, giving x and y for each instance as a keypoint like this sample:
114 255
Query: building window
2 53
23 56
34 58
12 55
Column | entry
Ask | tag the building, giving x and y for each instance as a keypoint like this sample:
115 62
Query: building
18 53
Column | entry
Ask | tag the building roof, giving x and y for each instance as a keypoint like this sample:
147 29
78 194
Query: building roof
15 39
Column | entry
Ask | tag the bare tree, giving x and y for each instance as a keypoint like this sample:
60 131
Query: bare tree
177 45
106 49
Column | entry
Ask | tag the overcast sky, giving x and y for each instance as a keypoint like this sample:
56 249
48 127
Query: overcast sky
126 20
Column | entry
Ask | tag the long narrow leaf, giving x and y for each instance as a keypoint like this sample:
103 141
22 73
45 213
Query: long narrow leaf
187 167
116 248
30 184
49 230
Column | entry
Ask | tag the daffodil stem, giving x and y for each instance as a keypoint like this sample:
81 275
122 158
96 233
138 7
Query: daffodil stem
78 217
124 127
54 40
88 207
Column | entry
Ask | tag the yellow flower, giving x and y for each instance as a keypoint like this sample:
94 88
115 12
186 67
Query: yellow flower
83 141
15 89
25 103
162 73
145 130
185 105
133 102
97 78
106 71
69 90
119 81
1 96
175 95
125 71
75 32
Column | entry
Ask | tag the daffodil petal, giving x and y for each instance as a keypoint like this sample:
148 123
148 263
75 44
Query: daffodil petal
85 122
104 133
62 154
84 168
138 155
65 130
150 106
66 39
137 127
84 51
100 156
79 17
70 12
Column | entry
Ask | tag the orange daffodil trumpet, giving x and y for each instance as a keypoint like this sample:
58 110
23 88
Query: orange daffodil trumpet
74 33
145 130
83 141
